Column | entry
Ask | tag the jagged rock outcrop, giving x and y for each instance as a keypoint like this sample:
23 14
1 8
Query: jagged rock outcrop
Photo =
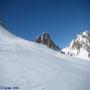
46 40
2 23
80 46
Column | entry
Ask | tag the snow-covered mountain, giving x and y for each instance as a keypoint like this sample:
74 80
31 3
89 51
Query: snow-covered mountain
5 35
26 65
80 46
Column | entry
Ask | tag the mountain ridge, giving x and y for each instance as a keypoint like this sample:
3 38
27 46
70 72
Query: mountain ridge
80 46
31 66
46 40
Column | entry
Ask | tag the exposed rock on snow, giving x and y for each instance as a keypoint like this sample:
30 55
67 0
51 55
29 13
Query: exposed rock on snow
80 46
46 40
32 66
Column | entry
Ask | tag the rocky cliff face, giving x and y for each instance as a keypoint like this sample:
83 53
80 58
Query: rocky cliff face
2 23
46 40
80 46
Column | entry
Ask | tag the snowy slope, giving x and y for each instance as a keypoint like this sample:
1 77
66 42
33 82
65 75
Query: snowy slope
31 66
80 46
5 35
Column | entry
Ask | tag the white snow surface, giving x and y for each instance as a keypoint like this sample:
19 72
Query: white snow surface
31 66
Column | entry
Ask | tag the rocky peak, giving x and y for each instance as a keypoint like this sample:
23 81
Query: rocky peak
81 40
80 46
46 40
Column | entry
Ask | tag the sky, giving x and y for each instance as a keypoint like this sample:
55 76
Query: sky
62 19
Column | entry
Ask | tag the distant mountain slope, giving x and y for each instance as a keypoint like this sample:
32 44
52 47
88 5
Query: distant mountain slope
80 46
46 40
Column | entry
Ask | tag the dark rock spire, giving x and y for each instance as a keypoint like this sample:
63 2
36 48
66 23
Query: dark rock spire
46 40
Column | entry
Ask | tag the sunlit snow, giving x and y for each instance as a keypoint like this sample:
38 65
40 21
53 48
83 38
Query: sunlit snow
31 66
